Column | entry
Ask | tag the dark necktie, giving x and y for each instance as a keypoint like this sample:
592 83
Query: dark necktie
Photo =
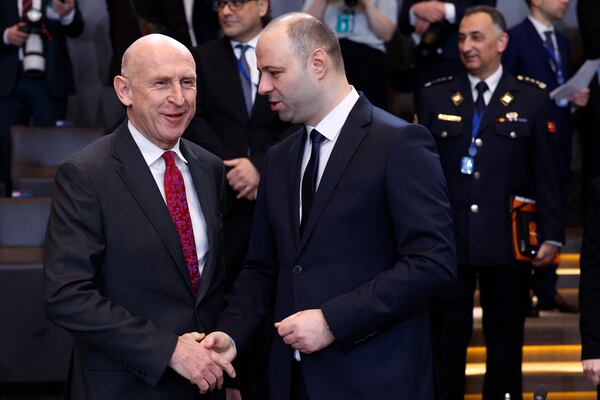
549 43
309 179
26 7
245 76
178 208
481 87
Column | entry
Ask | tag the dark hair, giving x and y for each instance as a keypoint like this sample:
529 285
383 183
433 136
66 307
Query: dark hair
307 33
528 2
495 15
265 19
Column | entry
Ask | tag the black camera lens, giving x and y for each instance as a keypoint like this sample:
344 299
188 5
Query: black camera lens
351 3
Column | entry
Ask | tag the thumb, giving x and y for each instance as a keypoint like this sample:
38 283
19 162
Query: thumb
232 163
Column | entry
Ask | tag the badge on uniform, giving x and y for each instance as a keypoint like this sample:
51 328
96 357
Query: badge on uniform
551 127
449 117
506 99
456 98
467 165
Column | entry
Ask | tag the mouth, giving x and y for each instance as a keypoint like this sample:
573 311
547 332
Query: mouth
174 118
274 105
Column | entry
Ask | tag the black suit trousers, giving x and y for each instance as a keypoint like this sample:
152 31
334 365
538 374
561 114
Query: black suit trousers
504 298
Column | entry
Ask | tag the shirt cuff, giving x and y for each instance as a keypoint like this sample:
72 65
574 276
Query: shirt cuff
412 20
66 20
557 244
450 10
5 36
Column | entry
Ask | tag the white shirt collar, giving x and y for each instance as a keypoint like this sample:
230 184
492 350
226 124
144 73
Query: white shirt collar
331 125
492 80
150 151
540 27
252 42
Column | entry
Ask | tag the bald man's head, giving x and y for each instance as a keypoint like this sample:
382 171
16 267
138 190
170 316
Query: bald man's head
158 86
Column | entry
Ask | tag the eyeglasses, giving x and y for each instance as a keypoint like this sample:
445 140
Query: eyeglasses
234 5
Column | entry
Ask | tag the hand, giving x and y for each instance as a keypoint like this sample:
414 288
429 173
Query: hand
14 36
430 11
222 344
580 99
243 177
233 394
421 26
591 370
306 331
545 255
198 364
63 9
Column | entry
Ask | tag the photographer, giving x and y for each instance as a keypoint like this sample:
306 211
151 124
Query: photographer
362 27
40 94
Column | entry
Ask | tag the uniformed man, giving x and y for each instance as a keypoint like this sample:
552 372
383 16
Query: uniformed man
495 141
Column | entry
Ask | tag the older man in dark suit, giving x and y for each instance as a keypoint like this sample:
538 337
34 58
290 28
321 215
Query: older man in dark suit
352 234
133 253
40 96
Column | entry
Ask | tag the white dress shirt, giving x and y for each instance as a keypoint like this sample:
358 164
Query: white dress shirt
153 156
491 81
250 59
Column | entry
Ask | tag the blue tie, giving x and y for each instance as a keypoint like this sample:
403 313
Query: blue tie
309 179
244 69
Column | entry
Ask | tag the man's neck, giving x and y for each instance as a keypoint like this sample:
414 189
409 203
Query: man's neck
542 18
483 75
336 95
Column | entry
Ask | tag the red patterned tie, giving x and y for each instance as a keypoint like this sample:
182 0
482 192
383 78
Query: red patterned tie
178 208
26 7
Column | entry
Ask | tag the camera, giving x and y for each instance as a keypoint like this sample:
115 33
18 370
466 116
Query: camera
34 62
351 3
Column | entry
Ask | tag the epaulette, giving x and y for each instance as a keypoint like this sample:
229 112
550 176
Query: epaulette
532 81
438 80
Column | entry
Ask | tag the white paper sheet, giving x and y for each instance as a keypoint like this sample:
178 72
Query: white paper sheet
578 82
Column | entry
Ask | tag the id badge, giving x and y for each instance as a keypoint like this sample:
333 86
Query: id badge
345 22
467 165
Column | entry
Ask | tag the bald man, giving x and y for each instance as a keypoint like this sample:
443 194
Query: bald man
352 233
133 257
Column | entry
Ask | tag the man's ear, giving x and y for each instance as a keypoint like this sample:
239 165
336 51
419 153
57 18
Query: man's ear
122 88
319 62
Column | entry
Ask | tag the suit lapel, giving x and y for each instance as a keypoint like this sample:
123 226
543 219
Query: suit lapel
539 47
496 105
204 189
137 177
229 64
350 137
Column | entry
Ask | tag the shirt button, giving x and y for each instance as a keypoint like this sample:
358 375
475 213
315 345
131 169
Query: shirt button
478 142
476 175
474 208
444 134
513 134
297 269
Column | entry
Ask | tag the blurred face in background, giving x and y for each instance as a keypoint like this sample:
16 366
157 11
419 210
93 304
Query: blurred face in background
241 19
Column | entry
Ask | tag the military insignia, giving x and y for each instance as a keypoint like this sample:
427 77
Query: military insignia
512 116
506 99
456 98
438 80
449 117
551 127
532 81
501 119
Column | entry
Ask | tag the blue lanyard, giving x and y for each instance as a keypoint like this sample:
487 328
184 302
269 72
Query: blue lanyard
474 130
555 63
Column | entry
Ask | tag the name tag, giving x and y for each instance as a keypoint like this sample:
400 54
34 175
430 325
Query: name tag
449 117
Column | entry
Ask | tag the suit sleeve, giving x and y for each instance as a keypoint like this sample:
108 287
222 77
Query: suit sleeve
510 57
589 284
544 155
426 264
74 251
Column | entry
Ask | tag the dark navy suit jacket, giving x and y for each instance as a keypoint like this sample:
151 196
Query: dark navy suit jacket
376 248
59 75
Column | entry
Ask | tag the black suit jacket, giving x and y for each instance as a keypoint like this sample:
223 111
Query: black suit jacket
59 75
376 248
589 284
441 58
115 273
516 157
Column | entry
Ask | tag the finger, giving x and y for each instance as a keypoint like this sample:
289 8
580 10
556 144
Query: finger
203 386
285 329
197 336
233 162
225 365
290 339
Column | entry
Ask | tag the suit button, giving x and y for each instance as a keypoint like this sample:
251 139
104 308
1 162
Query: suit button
476 175
297 269
474 208
478 142
513 134
444 134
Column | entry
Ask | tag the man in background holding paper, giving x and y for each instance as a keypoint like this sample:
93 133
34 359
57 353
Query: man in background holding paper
538 50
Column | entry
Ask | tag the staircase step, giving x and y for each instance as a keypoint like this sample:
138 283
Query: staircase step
534 354
560 378
555 396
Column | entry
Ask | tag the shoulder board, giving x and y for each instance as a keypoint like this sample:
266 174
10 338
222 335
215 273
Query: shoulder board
531 81
438 80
